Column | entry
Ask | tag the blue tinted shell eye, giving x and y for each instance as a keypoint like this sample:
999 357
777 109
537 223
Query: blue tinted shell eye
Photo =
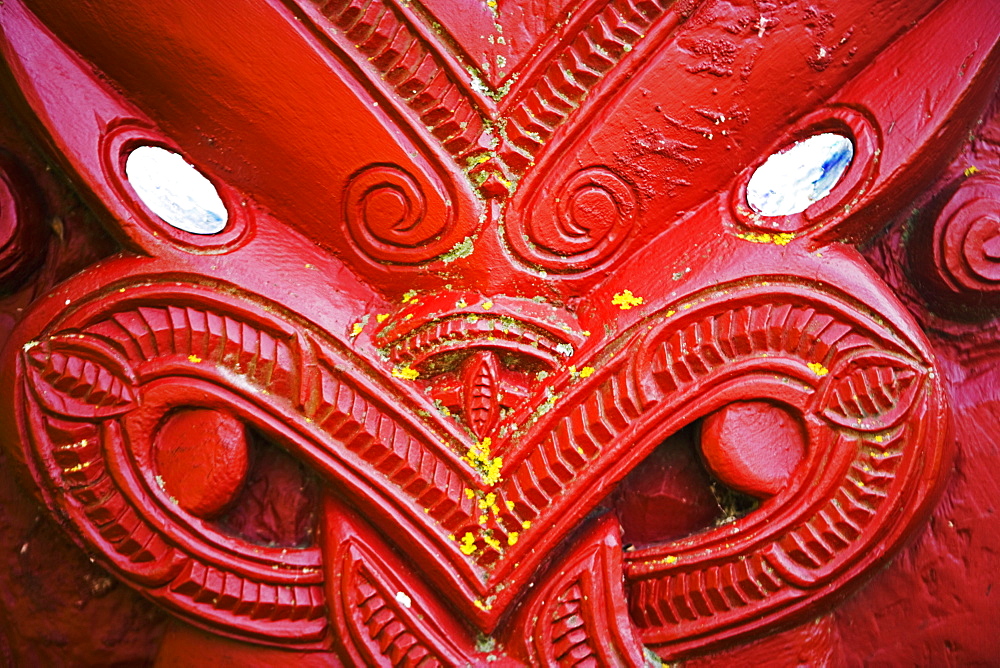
793 180
175 191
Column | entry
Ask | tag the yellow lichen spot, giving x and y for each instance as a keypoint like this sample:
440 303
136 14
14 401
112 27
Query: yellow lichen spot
405 372
970 170
408 316
357 328
451 536
121 289
487 305
685 307
194 359
509 504
671 559
586 332
579 449
468 545
478 456
309 266
878 438
572 371
480 604
427 511
512 537
818 368
586 372
472 319
469 494
409 296
777 238
526 524
461 303
492 542
483 518
626 300
489 500
381 317
670 313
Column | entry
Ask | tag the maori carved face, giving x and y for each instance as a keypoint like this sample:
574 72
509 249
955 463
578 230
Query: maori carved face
490 275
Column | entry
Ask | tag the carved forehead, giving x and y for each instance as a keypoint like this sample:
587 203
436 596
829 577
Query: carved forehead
290 101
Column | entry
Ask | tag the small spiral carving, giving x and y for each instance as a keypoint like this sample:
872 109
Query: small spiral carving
388 217
593 213
960 261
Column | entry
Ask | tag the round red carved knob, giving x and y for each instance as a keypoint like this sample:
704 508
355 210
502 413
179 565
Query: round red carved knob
753 446
201 459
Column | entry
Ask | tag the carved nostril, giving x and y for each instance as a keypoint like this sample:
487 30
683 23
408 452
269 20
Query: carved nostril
753 446
201 459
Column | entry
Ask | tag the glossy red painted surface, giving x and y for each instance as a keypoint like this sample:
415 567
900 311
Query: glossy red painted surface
492 362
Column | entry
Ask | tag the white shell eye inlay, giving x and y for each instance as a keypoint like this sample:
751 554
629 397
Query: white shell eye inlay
793 180
175 191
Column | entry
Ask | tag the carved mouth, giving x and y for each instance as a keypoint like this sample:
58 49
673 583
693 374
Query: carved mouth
480 356
434 334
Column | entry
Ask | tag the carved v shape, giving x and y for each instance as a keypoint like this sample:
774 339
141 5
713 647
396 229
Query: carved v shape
487 126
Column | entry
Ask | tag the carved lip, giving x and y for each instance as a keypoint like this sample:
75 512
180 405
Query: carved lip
431 325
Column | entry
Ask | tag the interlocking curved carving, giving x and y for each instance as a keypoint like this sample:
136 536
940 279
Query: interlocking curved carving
471 295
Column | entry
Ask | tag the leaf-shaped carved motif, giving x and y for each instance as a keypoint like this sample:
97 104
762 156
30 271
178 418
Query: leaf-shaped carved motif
382 616
579 616
79 376
481 389
870 391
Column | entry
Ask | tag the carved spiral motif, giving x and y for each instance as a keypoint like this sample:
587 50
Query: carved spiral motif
388 216
593 213
960 262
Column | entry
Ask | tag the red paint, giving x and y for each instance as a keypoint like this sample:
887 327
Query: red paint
753 447
494 361
201 459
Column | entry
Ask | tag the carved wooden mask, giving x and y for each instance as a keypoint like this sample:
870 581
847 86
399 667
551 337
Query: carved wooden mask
489 273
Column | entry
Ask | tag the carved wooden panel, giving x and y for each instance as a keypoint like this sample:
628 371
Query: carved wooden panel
491 353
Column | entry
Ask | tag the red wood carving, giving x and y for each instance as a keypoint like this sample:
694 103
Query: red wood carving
492 358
